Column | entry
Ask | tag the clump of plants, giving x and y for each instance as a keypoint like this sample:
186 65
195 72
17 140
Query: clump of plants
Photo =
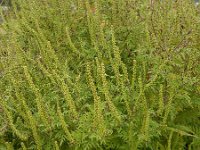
95 74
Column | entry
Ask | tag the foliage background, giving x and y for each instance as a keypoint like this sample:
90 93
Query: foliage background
116 74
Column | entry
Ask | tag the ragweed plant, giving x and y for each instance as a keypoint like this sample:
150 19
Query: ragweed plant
95 74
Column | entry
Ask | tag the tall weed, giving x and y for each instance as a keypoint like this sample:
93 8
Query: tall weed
95 74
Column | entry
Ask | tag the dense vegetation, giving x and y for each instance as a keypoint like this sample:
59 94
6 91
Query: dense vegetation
100 74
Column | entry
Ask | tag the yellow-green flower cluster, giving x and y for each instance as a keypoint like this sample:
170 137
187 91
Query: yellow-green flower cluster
29 116
64 125
98 116
38 98
56 146
71 44
133 82
168 106
90 21
142 97
10 121
32 121
23 146
161 101
116 62
107 94
125 73
67 96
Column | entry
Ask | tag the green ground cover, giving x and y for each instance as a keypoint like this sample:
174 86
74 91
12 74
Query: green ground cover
100 75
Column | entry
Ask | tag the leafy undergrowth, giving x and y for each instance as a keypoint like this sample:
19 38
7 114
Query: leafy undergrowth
86 75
